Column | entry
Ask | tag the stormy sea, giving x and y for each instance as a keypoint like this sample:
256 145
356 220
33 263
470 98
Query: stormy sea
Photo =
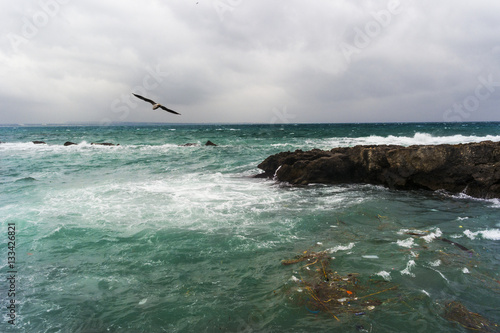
162 233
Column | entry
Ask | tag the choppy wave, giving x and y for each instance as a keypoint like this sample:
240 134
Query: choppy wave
495 202
154 236
491 234
417 139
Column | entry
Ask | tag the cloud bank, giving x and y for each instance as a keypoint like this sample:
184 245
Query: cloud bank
249 61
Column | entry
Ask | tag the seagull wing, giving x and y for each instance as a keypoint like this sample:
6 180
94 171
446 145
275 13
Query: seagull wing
145 99
167 109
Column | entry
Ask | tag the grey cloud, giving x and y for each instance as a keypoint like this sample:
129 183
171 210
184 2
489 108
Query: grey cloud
238 61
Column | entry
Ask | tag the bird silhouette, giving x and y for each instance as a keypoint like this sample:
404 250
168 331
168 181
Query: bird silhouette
156 105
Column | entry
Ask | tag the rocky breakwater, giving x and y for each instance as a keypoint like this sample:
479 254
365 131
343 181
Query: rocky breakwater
472 168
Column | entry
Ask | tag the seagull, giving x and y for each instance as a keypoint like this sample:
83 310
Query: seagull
155 105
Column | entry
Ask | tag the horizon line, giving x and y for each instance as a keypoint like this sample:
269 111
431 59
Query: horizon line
234 123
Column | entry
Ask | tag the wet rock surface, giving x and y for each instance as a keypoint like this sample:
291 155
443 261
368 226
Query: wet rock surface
472 168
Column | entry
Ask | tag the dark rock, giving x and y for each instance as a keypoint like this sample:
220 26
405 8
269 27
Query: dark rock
68 143
103 144
39 142
209 143
472 168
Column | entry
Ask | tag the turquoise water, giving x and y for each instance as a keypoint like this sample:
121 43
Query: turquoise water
151 236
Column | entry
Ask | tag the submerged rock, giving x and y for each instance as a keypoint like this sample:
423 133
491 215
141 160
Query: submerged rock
103 144
39 142
210 143
68 143
472 168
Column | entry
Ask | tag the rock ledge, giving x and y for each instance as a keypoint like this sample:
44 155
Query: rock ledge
472 168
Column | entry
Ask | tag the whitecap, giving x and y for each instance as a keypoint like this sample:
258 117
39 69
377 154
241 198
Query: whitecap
435 263
408 243
495 202
442 275
491 234
406 231
418 138
409 266
430 237
341 248
370 256
386 275
470 234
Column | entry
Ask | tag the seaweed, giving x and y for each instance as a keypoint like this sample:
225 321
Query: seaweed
461 247
330 292
457 312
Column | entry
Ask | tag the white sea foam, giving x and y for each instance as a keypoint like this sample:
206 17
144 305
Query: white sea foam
408 243
341 248
491 234
495 202
441 274
405 231
417 139
163 205
435 263
409 266
386 275
370 256
470 234
431 236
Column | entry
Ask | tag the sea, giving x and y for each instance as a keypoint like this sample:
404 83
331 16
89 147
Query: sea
153 235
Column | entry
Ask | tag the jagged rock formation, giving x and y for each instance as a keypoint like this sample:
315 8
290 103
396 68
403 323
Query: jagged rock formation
210 143
472 168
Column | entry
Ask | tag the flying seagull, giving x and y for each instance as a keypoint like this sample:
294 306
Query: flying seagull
155 105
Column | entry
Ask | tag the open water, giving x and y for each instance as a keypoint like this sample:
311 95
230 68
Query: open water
151 236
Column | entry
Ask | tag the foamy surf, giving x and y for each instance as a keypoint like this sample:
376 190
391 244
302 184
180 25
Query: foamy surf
490 234
152 235
417 139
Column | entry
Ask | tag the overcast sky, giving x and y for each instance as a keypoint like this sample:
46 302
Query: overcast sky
257 61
